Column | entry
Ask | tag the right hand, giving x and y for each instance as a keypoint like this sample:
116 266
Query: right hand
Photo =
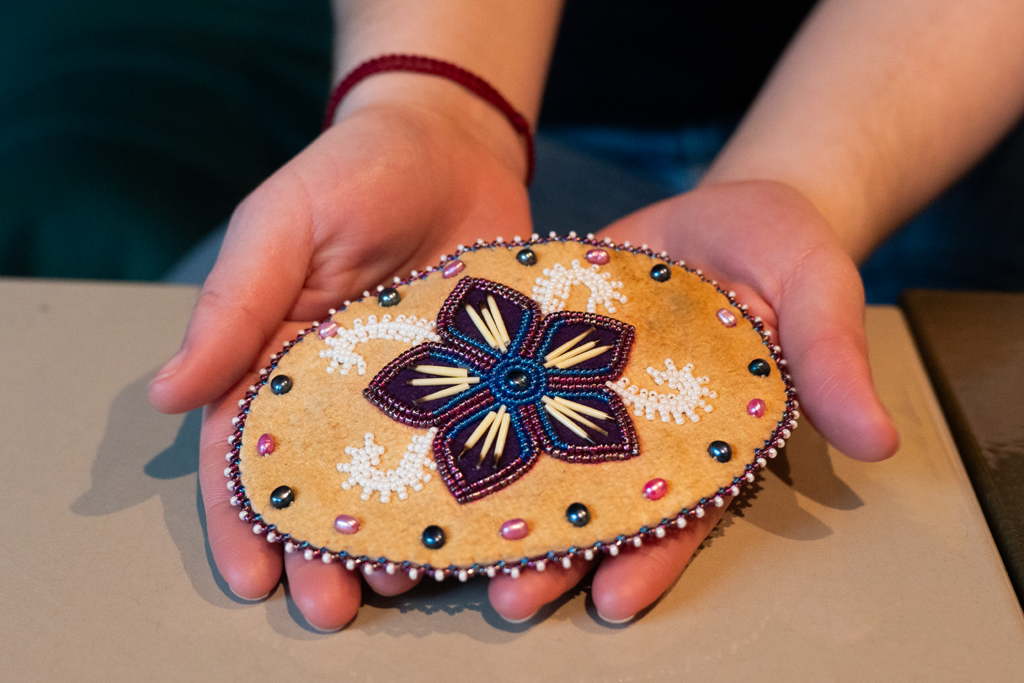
402 178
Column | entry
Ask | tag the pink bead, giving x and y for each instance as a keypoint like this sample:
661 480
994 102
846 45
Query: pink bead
265 445
655 489
597 257
514 529
346 524
727 317
756 407
453 268
328 329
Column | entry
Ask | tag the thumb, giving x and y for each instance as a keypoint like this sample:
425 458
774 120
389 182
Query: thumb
827 353
257 278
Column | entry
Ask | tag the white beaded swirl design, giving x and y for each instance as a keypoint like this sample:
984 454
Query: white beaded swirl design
552 291
410 472
341 347
691 395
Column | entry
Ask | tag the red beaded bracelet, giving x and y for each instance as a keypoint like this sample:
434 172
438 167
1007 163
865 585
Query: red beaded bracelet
435 67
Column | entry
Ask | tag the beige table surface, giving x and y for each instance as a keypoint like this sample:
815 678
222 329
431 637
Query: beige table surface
835 571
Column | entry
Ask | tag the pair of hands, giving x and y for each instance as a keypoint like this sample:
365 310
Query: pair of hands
392 187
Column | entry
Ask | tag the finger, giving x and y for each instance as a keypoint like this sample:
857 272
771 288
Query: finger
634 579
258 275
328 595
517 600
250 565
391 584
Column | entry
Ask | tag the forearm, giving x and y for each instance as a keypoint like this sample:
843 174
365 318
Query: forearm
879 104
507 42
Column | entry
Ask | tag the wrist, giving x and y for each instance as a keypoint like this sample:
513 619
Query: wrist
433 99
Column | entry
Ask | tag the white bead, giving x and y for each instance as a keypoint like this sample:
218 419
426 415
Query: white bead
567 561
637 541
414 573
271 537
540 565
719 502
588 555
257 528
227 472
390 569
613 550
514 572
439 575
327 558
235 502
368 569
289 547
231 439
492 572
772 452
734 490
231 486
308 554
229 457
463 576
350 564
681 522
699 512
660 532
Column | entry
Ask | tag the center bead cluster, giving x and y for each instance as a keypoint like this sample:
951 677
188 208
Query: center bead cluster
516 381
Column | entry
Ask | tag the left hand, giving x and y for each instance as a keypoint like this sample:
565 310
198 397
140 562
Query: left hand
767 242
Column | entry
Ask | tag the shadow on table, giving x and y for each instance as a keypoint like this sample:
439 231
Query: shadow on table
134 463
805 468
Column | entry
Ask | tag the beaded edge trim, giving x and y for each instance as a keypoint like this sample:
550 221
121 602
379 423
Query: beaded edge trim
368 565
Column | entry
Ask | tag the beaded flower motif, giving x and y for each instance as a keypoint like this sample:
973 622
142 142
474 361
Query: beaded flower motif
505 383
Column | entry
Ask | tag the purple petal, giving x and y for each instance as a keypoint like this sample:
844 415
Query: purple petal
465 476
620 443
520 314
560 328
390 390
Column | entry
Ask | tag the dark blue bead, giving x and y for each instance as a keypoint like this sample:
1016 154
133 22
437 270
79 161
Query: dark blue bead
517 380
433 537
577 514
388 296
282 497
527 257
759 367
660 273
720 451
281 384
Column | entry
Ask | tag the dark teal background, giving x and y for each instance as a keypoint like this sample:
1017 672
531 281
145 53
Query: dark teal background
128 130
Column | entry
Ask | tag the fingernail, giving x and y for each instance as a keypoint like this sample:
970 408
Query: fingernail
242 597
169 368
523 620
616 622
